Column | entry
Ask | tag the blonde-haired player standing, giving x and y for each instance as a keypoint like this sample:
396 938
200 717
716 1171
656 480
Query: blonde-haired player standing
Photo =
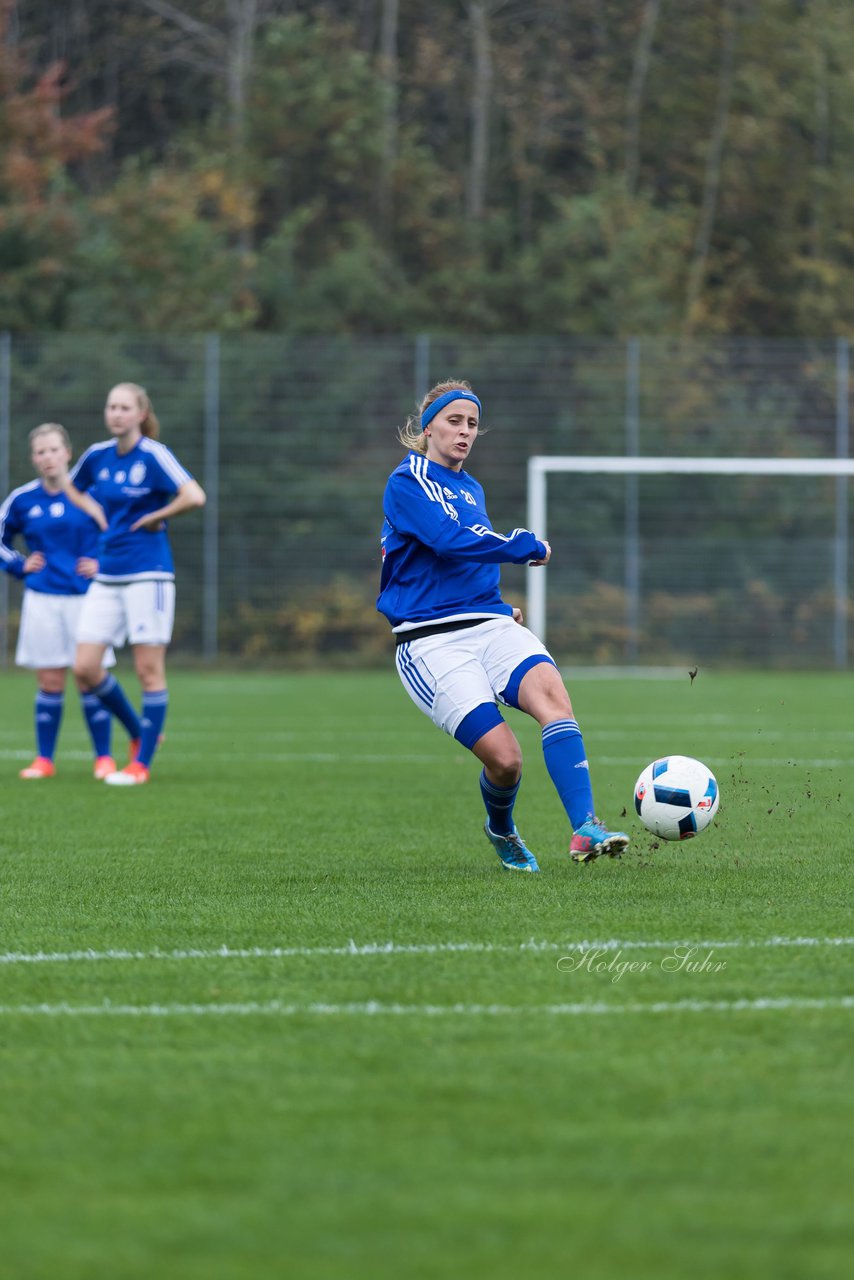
132 485
59 565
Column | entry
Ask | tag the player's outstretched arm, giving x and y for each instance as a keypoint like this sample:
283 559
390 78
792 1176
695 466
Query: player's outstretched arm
478 542
418 509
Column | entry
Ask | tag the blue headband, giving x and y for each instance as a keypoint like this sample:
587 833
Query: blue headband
439 403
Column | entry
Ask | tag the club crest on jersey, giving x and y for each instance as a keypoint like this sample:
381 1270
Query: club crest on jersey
57 509
136 475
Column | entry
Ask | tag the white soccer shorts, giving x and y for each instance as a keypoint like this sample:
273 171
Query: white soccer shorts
47 637
447 676
130 613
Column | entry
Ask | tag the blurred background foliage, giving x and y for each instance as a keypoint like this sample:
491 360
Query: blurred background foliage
605 168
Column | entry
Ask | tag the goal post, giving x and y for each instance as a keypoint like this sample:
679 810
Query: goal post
541 466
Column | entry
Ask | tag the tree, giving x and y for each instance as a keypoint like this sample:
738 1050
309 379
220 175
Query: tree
714 158
39 211
640 70
162 252
220 39
482 166
389 74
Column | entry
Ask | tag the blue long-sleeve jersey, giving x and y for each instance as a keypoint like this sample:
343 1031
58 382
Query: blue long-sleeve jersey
441 555
50 523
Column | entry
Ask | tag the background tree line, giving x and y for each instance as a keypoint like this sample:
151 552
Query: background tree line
606 167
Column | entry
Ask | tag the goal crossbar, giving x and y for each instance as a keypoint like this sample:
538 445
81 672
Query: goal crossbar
541 465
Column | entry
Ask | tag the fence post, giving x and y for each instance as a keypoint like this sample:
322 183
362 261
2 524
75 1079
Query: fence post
840 543
422 366
210 531
632 527
5 453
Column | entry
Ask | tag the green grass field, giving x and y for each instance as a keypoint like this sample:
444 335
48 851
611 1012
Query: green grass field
281 1013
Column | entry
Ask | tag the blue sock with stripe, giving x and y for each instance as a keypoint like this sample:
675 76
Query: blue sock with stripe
48 717
154 708
115 699
99 722
499 803
566 761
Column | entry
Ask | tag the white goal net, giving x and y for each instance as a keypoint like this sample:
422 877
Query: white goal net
734 560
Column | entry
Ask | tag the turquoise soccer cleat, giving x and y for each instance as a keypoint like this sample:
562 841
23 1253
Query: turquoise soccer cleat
511 850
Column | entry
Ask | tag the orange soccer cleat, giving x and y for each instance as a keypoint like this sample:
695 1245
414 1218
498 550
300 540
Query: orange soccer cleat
133 775
40 768
103 767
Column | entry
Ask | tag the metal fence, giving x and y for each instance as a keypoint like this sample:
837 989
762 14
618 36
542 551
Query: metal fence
293 439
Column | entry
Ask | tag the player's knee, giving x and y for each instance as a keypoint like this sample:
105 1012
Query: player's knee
556 707
151 677
509 776
504 765
86 676
52 681
543 695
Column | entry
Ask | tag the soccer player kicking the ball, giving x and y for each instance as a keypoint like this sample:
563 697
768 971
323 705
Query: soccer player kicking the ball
460 649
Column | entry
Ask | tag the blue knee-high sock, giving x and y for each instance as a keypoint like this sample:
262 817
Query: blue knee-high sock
114 699
48 716
99 722
499 803
154 707
566 761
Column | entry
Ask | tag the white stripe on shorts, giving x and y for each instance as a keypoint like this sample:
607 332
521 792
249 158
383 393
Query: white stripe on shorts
411 675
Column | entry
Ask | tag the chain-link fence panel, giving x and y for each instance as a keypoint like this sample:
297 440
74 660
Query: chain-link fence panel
294 437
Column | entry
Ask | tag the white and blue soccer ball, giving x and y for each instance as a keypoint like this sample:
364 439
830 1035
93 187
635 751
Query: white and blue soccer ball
676 797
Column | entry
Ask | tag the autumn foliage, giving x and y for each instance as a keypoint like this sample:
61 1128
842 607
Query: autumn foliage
497 166
38 149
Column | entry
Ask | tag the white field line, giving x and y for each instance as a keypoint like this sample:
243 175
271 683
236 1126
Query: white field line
274 757
354 949
387 758
375 1008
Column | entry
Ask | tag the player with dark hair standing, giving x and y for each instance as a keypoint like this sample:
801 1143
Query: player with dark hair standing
59 565
131 485
460 648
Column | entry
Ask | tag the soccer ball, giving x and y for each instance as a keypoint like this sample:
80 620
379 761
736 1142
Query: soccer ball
676 797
